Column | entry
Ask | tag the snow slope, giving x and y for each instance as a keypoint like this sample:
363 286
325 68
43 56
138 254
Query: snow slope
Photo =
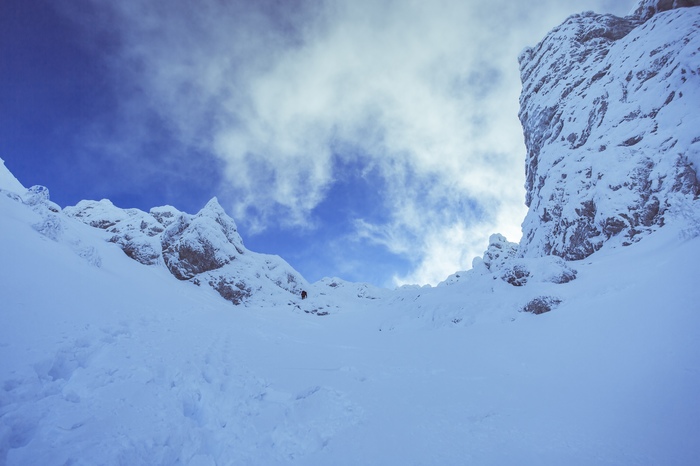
113 352
104 360
8 180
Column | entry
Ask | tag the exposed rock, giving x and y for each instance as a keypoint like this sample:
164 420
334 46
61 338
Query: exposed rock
201 248
548 269
647 8
231 290
602 103
541 304
165 215
192 245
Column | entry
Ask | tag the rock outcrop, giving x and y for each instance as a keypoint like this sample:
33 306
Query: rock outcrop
204 248
609 109
136 232
499 252
647 8
200 243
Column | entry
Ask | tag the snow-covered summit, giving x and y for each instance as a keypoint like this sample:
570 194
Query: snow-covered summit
609 109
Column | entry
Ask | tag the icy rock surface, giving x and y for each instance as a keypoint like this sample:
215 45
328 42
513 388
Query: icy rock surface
647 8
135 231
200 243
609 115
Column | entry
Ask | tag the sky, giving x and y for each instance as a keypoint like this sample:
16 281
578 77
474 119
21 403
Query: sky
375 141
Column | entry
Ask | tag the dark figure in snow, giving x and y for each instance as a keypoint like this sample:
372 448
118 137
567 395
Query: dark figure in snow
303 294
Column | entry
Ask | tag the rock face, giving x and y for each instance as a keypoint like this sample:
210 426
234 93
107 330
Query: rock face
609 110
647 8
136 232
204 248
204 242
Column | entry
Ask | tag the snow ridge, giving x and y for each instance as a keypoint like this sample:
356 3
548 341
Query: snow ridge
204 248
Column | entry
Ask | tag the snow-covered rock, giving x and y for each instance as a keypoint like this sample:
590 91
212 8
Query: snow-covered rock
547 269
200 243
204 248
498 253
541 304
645 9
135 231
500 261
609 109
47 217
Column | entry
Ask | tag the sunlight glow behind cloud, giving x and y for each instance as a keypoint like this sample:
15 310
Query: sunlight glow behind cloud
425 93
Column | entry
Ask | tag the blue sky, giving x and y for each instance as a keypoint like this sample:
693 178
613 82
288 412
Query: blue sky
374 141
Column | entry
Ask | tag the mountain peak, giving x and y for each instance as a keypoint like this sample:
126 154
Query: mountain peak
213 205
214 212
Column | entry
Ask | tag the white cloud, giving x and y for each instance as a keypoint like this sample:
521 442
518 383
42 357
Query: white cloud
427 92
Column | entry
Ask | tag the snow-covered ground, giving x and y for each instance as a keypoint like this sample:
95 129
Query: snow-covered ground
104 360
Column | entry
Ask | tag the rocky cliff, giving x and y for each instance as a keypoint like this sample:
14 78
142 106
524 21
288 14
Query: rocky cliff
611 119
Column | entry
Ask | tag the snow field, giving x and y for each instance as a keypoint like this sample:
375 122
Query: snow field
123 364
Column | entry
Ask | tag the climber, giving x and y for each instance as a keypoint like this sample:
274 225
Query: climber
303 294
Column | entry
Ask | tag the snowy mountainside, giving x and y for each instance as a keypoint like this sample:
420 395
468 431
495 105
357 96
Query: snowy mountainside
119 343
106 361
204 248
609 109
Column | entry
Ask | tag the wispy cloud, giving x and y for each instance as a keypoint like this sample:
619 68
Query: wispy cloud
425 93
